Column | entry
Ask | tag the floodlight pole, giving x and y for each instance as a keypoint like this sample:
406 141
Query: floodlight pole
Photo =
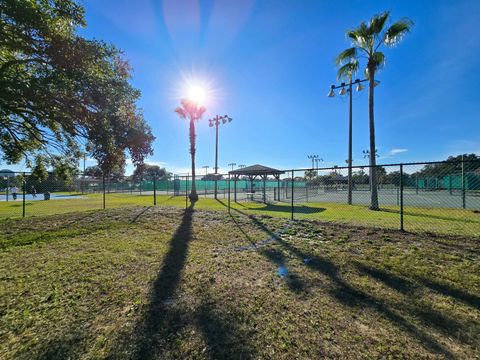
206 174
314 159
216 121
350 124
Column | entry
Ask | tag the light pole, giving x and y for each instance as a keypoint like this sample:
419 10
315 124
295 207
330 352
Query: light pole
348 88
215 122
313 158
206 169
232 165
317 161
206 174
242 166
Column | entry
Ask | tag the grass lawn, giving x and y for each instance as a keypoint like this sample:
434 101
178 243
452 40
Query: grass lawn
146 283
439 221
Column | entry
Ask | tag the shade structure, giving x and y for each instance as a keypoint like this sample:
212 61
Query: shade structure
252 172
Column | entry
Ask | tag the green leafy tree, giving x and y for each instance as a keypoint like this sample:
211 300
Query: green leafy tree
60 91
115 174
192 112
367 39
149 171
452 165
93 171
310 175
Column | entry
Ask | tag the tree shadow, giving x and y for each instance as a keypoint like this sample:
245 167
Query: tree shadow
469 299
352 297
160 321
134 220
431 216
392 281
298 209
222 331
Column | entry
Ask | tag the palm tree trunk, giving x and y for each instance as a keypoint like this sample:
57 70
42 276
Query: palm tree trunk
193 192
373 159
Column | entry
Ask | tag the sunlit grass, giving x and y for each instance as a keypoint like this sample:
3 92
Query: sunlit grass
145 283
435 220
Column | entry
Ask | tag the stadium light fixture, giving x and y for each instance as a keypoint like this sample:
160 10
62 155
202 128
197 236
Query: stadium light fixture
359 85
215 122
344 89
331 93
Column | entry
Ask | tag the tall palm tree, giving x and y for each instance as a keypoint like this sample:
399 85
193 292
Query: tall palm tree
193 112
366 40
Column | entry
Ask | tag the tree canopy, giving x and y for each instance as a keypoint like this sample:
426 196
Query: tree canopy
149 171
61 93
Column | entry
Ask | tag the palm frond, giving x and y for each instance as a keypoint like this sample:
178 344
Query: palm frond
377 22
199 112
361 37
395 33
348 70
181 112
379 59
346 56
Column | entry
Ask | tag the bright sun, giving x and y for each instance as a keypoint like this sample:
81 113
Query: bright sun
197 94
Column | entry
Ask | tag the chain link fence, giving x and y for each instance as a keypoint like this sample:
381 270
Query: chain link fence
434 197
441 197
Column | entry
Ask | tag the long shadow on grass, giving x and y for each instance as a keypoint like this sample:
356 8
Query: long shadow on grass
222 330
134 220
440 321
163 322
160 322
298 209
436 217
406 286
293 281
352 297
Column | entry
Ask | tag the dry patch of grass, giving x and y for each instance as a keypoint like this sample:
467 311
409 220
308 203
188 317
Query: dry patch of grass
168 283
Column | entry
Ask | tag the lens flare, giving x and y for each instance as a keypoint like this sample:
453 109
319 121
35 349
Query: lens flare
197 94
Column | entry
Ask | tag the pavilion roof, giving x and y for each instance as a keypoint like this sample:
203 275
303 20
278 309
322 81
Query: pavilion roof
256 170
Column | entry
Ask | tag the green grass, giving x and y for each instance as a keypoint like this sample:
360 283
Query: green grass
144 283
439 221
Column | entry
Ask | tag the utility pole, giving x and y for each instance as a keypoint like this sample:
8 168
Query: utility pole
215 122
232 165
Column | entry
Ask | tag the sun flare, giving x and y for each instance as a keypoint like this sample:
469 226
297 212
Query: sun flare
197 94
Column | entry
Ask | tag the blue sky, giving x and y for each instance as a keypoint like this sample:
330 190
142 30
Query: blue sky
269 65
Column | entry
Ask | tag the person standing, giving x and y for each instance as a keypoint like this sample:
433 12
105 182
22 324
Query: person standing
34 192
14 191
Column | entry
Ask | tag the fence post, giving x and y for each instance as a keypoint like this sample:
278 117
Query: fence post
229 193
186 192
103 191
154 190
292 209
401 197
24 186
463 184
